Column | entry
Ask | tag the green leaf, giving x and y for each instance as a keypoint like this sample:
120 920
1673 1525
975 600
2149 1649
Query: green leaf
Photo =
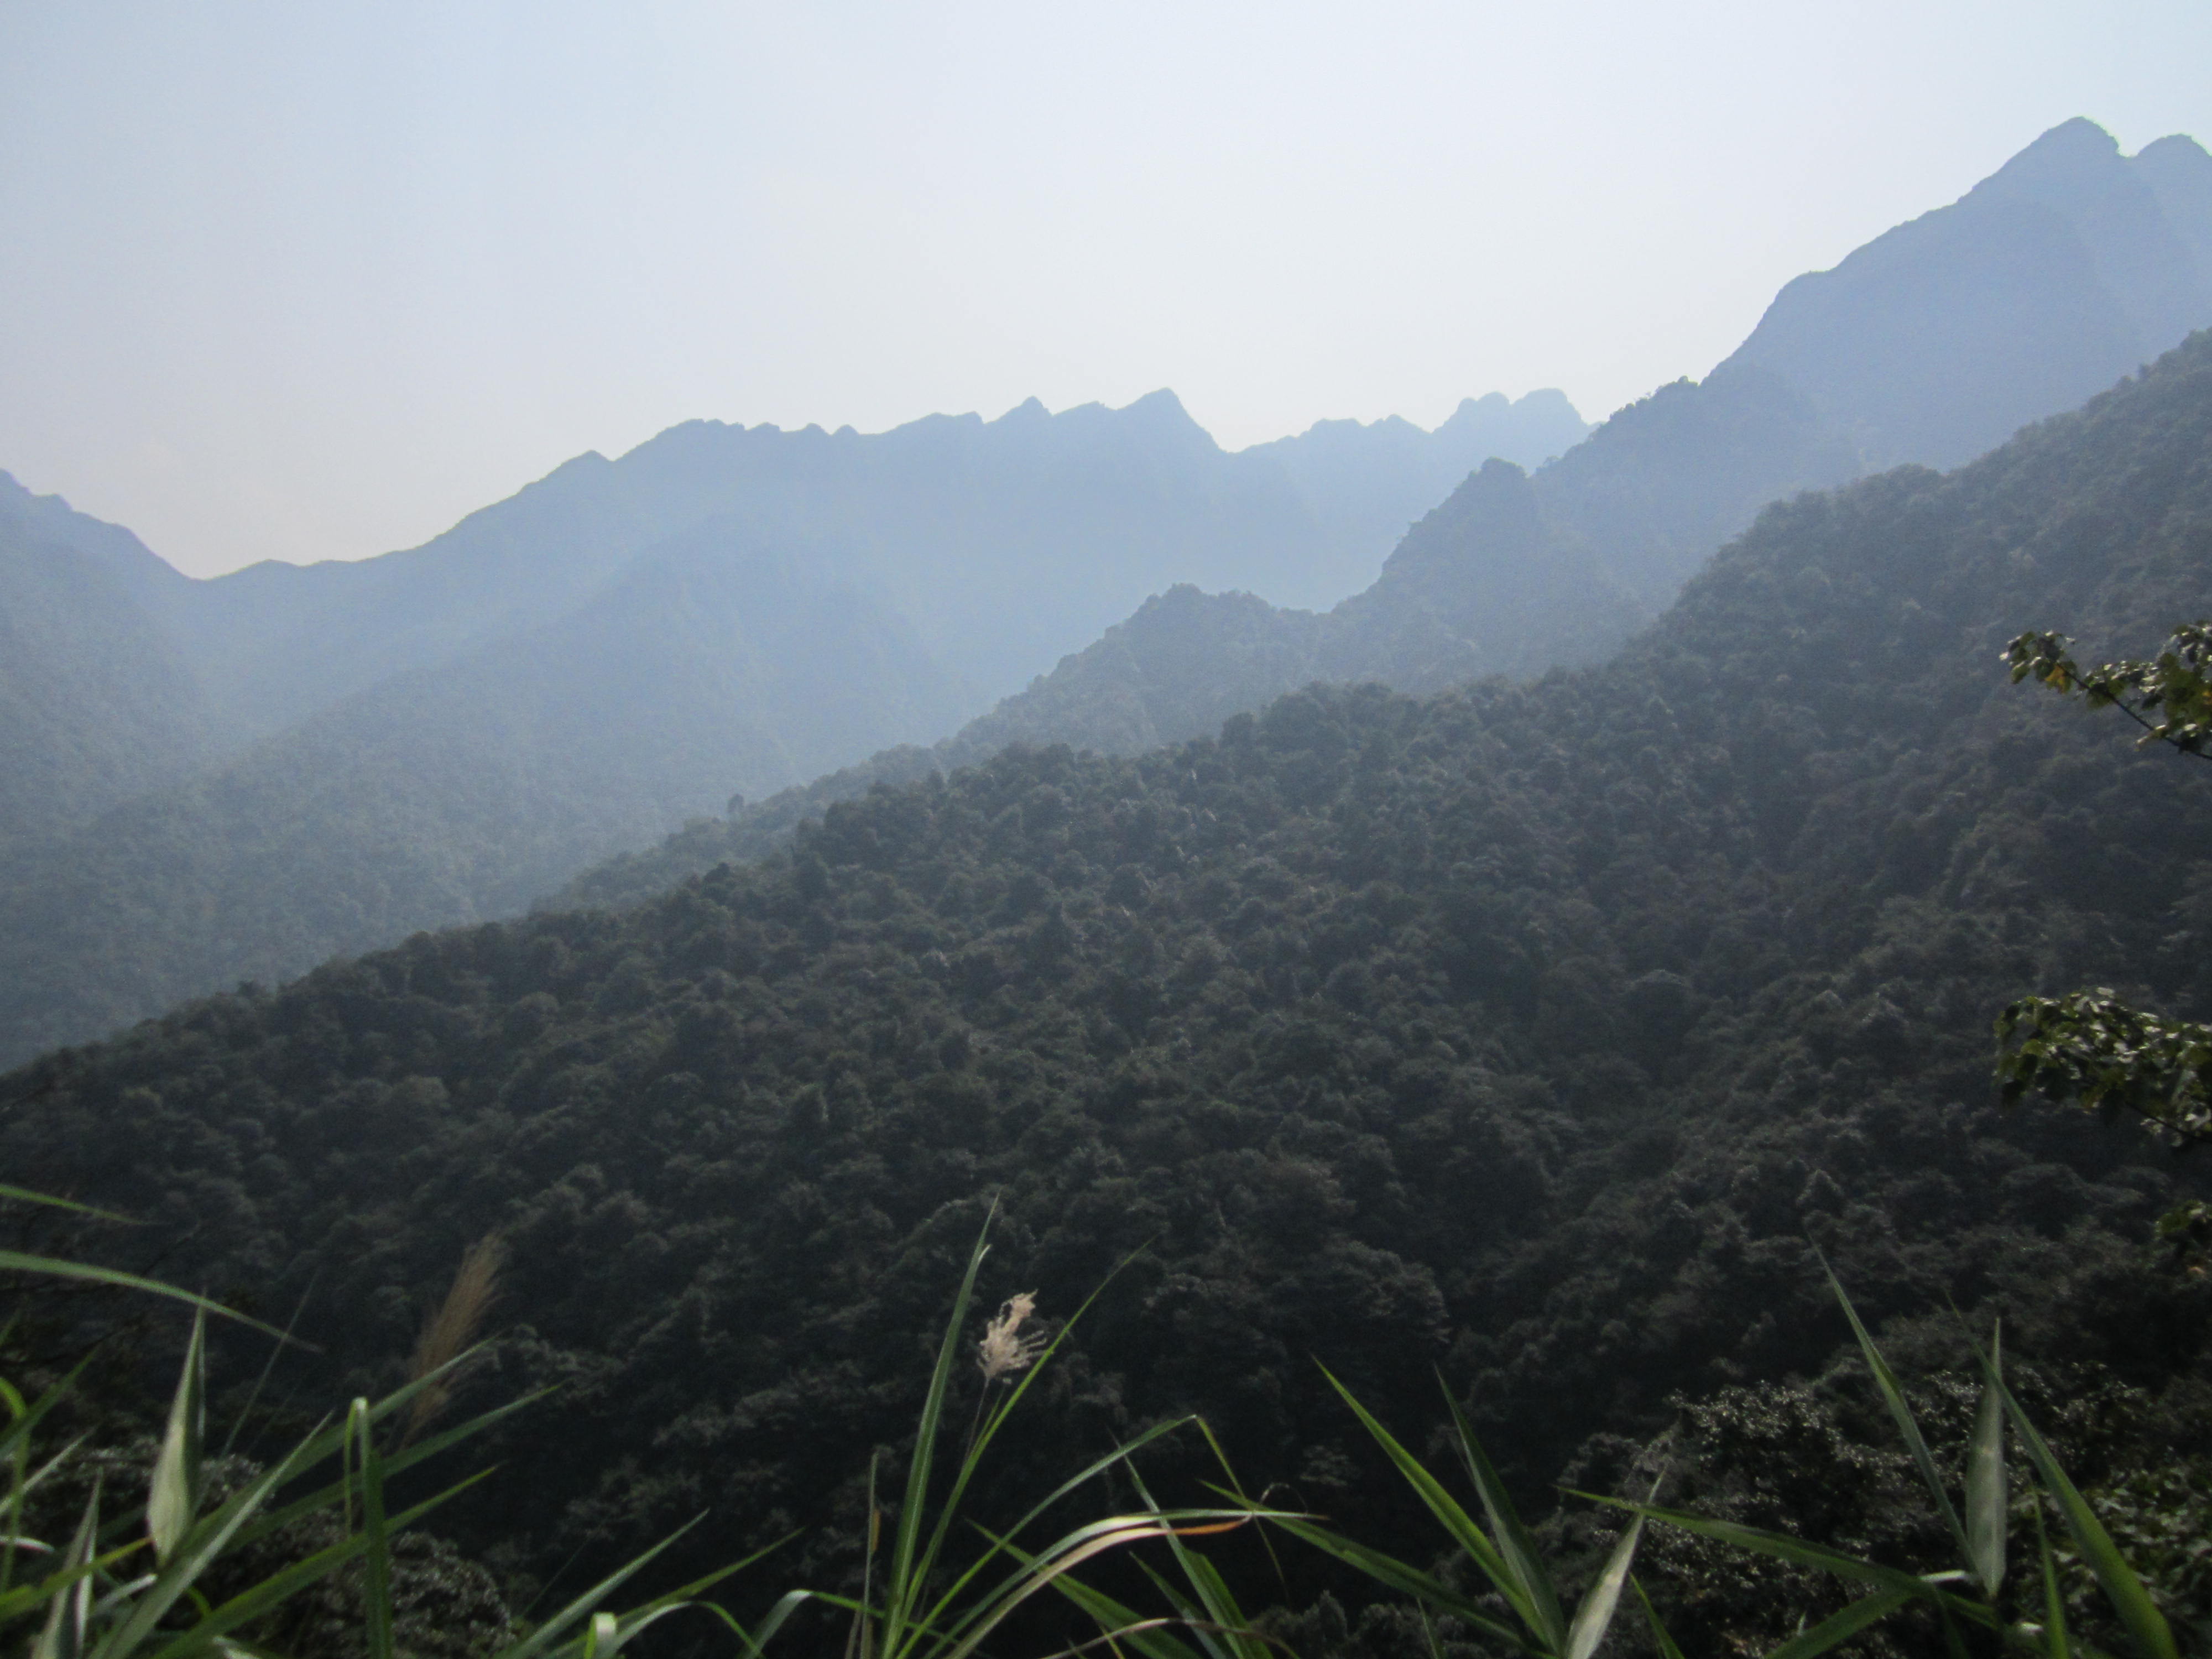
1407 1580
1985 1480
540 1640
1783 1547
2130 1600
376 1591
16 1261
1668 1649
63 1635
1594 1617
904 1588
212 1631
1840 1627
1514 1543
2054 1599
1123 1623
1442 1505
1893 1396
22 1196
173 1501
196 1552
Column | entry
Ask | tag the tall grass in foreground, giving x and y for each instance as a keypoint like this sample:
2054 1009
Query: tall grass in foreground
915 1602
1972 1597
133 1579
131 1582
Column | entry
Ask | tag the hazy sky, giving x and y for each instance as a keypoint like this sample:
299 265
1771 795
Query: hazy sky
309 279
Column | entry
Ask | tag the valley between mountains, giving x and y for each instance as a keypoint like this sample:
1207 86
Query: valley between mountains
1502 904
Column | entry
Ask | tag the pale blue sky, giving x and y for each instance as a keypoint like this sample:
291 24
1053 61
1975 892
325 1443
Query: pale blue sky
309 279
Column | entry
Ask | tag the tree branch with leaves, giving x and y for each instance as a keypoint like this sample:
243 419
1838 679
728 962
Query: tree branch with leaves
2089 1046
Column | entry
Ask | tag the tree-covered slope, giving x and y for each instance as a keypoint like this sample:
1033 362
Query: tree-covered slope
96 704
459 793
1366 484
207 781
1527 1030
2051 279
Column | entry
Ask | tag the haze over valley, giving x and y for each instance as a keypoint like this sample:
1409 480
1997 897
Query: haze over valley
1517 904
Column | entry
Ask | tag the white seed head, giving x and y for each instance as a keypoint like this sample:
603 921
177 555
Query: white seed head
1004 1350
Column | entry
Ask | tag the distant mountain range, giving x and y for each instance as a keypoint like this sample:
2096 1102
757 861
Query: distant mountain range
202 782
2056 275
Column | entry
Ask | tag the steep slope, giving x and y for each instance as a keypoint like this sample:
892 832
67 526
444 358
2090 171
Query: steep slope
96 703
1480 586
1930 343
1528 1031
298 761
2047 282
1084 512
1365 484
462 791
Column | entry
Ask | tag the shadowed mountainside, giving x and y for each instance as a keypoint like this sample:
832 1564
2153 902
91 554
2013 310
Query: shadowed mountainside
2048 281
310 761
1529 1032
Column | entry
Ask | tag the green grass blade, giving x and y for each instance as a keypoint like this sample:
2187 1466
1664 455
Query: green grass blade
1215 1600
196 1552
1406 1580
1668 1647
1035 1572
1121 1623
1838 1628
988 1429
63 1635
16 1261
1190 1614
1986 1493
540 1640
212 1631
1594 1617
1513 1540
758 1638
1893 1396
172 1499
1442 1505
377 1545
23 1196
903 1587
2055 1643
29 1415
2145 1624
306 1455
1084 1544
958 1587
1783 1547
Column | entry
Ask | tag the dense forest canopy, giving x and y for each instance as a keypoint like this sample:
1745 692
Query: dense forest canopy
212 782
1533 1031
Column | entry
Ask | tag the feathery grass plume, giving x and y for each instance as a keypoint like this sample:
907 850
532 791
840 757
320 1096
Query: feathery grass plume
1003 1350
453 1328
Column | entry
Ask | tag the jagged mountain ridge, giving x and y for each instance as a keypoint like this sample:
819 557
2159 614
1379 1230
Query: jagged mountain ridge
295 849
1528 1033
2063 270
295 762
2045 283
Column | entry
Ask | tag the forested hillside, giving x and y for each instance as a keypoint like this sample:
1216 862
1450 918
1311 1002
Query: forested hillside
232 780
1532 1031
2047 282
96 704
219 781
